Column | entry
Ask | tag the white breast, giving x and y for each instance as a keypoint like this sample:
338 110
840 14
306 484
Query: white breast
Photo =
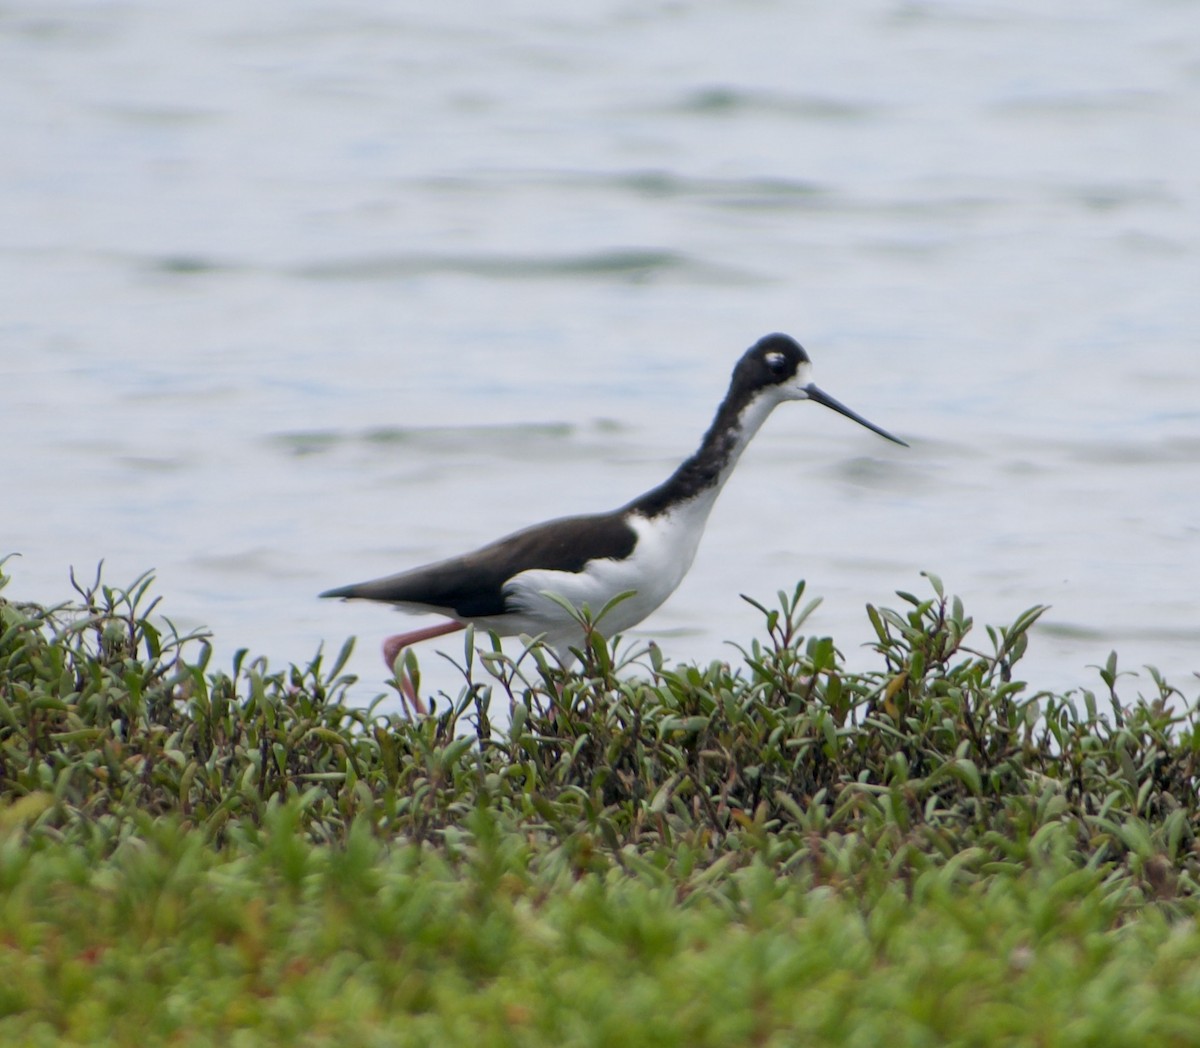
666 547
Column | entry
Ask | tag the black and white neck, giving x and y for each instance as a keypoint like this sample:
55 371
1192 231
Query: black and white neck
774 370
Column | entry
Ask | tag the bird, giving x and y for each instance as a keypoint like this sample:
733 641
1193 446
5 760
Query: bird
536 581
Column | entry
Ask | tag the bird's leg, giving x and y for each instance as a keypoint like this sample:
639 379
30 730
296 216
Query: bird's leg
393 646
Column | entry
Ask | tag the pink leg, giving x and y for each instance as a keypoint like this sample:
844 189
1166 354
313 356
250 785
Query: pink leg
393 646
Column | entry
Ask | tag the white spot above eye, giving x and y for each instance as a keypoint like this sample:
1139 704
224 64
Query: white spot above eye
775 361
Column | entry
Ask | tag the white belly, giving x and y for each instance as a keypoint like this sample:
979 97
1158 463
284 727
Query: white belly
666 547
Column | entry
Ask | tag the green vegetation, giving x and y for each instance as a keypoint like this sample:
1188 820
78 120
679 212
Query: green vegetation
775 853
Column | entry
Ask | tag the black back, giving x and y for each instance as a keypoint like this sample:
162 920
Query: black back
471 586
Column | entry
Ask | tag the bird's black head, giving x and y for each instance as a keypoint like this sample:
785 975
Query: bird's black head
775 362
776 369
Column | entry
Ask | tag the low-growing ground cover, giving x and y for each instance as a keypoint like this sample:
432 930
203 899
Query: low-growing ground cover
774 852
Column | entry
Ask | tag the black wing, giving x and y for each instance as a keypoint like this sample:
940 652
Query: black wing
472 586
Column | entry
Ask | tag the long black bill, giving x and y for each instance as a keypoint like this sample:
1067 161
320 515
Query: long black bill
821 397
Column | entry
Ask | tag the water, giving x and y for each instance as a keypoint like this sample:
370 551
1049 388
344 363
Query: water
303 293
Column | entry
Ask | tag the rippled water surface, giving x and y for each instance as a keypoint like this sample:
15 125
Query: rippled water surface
295 294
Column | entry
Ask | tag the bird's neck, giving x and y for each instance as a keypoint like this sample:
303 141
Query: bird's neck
699 479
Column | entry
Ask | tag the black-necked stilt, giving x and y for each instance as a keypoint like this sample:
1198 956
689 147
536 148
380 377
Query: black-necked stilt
509 587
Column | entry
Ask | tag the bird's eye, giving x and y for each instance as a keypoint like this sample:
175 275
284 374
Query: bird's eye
777 364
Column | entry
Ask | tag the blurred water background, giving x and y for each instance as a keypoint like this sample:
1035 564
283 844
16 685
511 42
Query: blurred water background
298 293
